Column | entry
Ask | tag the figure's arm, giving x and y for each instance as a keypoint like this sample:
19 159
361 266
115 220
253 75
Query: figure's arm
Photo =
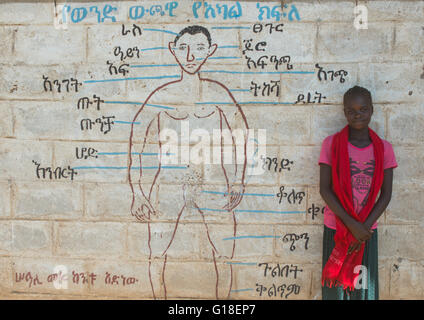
140 129
359 231
239 132
383 200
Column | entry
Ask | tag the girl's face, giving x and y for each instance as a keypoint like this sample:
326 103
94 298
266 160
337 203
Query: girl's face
358 111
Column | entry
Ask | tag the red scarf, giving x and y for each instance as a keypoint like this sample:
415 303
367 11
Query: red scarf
339 270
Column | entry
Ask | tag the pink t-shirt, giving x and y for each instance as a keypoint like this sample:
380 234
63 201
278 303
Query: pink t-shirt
362 165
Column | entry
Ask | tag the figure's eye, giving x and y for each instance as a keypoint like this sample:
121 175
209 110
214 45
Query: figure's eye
200 48
182 47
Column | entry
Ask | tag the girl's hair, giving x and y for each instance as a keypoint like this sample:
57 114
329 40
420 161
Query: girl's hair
356 91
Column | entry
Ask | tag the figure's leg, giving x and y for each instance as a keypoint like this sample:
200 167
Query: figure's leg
223 271
158 247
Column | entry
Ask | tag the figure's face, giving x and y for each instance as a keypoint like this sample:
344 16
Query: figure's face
191 51
358 111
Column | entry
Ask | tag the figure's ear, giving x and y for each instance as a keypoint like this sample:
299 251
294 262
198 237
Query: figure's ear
212 49
171 47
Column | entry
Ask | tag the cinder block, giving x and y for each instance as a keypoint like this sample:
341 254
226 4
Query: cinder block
405 280
48 200
5 191
188 280
409 170
20 12
395 242
404 208
6 121
304 170
394 10
340 11
183 244
384 272
21 238
392 82
54 46
284 125
364 45
106 201
5 276
99 239
409 42
405 123
17 156
7 41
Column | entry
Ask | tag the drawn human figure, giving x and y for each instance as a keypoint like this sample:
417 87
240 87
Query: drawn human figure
168 194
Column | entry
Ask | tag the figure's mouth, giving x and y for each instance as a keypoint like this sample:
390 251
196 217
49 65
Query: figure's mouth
190 65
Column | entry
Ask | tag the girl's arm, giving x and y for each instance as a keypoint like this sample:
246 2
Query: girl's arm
383 200
359 231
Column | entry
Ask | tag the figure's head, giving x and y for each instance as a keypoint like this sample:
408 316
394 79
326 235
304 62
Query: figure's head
358 107
192 47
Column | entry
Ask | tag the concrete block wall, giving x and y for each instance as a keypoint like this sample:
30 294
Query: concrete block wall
76 238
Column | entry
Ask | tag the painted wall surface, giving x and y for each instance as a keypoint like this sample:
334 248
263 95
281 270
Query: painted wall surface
85 84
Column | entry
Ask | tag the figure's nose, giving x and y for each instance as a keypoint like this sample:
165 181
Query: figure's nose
190 56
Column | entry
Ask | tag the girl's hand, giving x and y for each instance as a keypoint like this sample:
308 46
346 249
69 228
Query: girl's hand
354 246
359 231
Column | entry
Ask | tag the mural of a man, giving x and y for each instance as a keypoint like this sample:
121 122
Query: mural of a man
191 49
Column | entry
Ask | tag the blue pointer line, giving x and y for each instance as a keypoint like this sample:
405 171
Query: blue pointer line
246 102
139 103
155 48
239 90
251 237
136 78
166 31
268 211
253 211
225 28
132 168
126 122
244 194
243 263
216 58
228 47
260 72
152 65
138 153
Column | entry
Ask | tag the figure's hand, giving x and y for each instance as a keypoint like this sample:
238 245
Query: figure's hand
360 232
142 209
235 195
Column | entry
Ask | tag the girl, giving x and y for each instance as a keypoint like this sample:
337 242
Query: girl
355 165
